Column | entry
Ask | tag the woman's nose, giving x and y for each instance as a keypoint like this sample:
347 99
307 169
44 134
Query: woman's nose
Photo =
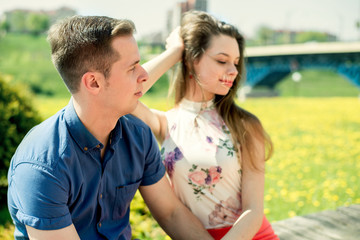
233 70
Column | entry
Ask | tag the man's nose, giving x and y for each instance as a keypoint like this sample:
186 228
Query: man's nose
144 76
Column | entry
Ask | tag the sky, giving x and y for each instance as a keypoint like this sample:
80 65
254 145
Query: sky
337 17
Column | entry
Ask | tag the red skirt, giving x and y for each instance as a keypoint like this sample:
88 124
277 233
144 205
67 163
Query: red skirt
265 232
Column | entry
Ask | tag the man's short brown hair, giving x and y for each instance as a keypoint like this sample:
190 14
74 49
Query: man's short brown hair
83 43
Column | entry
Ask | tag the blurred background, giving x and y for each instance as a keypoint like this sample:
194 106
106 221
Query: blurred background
302 81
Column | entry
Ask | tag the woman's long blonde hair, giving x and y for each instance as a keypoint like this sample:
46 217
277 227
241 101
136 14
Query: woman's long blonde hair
197 29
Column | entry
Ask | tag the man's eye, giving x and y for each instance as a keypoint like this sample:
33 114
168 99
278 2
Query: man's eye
221 62
132 69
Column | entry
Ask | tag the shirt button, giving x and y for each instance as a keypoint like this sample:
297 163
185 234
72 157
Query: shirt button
98 146
85 148
99 224
101 196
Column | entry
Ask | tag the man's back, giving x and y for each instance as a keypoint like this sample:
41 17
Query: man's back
57 177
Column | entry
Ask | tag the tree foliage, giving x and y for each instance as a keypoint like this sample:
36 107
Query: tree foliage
311 36
26 22
37 23
265 35
17 117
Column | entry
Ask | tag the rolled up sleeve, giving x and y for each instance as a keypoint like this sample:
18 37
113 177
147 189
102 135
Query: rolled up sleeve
40 196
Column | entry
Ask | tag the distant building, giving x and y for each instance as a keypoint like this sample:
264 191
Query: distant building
60 13
174 15
16 18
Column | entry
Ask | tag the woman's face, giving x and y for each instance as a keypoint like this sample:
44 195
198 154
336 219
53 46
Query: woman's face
217 68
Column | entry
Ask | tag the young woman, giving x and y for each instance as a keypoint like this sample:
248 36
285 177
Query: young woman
214 151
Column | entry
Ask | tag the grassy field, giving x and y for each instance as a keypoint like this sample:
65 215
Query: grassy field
316 164
315 127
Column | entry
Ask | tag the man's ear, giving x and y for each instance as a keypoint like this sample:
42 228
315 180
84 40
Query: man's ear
91 82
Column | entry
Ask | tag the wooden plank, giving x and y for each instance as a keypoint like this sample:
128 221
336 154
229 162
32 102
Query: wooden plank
341 224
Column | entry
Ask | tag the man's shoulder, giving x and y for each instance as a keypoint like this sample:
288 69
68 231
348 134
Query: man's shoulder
44 143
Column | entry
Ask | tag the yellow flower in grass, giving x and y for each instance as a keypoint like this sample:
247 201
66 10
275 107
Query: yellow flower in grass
291 213
268 197
266 211
335 198
350 192
283 192
316 203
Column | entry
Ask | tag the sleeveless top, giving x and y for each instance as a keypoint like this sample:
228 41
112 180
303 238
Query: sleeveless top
202 163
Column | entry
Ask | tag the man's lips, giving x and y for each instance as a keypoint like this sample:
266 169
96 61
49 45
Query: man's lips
139 94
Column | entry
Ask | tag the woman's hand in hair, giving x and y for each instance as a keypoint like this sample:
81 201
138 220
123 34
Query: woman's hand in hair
174 41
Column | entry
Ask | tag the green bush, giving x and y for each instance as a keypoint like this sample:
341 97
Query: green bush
17 117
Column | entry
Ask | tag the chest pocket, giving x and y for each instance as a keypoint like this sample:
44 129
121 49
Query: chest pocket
124 195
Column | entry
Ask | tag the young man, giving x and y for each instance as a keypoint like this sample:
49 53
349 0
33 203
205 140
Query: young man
74 175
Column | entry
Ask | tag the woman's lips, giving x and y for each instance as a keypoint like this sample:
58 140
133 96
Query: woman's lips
227 83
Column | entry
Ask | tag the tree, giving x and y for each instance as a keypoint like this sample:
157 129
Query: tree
311 36
264 35
37 23
17 21
4 26
17 117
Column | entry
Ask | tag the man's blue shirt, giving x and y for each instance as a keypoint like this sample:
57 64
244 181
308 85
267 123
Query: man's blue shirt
57 177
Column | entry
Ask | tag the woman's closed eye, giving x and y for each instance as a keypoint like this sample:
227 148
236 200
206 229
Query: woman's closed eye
224 62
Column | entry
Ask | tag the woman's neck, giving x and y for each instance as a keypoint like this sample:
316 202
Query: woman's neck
197 94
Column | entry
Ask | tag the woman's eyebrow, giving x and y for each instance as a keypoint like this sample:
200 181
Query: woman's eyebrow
225 54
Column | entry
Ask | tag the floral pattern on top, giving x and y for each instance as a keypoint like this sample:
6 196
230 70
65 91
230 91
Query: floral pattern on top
170 158
227 211
204 179
227 144
202 164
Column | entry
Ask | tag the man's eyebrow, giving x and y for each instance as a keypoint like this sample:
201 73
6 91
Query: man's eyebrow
134 63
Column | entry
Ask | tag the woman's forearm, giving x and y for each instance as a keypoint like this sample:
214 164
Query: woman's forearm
246 226
160 64
163 62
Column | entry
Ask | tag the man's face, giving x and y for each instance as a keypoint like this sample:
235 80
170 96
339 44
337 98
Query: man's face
124 83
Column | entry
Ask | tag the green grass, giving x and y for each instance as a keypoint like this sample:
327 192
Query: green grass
318 83
316 164
27 60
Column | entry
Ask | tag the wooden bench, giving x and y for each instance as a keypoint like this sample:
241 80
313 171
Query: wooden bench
340 224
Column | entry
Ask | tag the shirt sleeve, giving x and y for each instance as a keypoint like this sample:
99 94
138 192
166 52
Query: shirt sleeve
40 197
154 168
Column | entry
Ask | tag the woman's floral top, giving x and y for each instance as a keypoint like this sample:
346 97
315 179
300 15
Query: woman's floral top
202 163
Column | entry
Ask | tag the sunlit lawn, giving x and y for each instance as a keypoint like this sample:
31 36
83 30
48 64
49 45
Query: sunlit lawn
316 164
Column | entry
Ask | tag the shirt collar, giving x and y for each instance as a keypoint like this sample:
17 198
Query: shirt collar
196 106
82 136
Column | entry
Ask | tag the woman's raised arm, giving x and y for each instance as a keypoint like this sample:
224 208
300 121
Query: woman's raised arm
156 67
